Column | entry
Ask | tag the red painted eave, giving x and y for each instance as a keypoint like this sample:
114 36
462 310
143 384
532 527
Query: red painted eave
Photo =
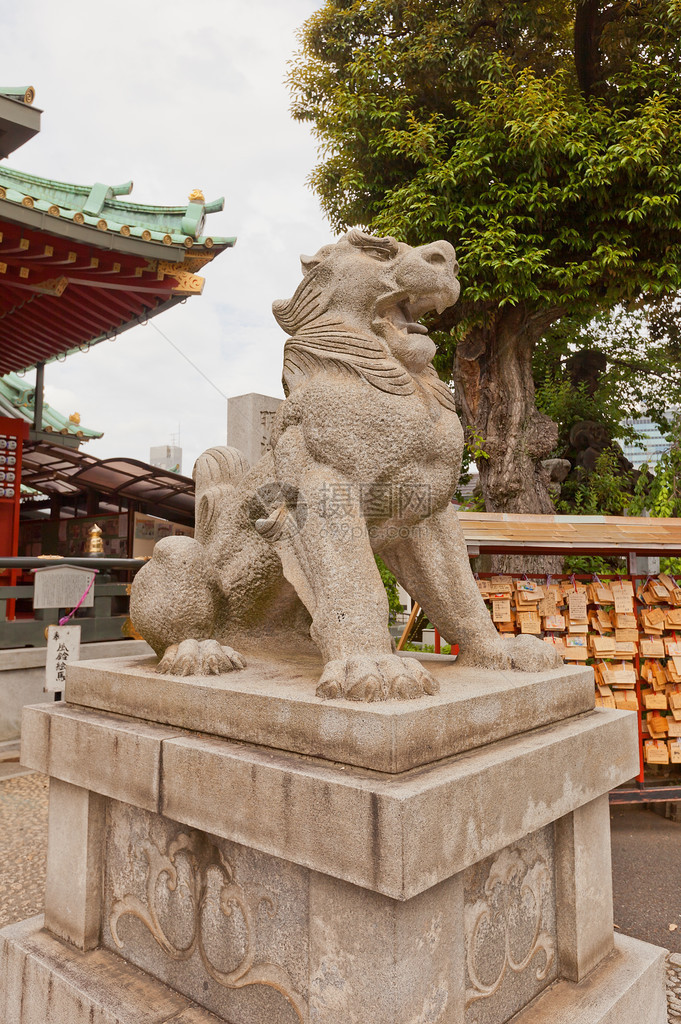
57 294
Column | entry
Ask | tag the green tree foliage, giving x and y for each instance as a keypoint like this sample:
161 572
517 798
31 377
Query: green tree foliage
657 495
638 372
661 496
390 584
605 491
466 119
664 493
543 139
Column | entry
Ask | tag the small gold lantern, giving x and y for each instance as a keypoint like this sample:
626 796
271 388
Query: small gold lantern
95 544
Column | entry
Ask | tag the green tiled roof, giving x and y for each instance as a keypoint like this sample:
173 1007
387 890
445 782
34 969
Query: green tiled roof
17 399
20 93
97 206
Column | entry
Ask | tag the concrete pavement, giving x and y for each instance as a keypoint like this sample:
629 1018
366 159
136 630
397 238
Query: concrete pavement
23 846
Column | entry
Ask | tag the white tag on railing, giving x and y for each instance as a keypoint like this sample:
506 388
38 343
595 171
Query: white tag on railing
63 586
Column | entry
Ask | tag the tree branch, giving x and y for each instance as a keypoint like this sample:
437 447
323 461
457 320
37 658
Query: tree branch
642 368
482 23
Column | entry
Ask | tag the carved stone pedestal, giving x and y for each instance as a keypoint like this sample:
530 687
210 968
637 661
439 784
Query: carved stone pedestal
245 877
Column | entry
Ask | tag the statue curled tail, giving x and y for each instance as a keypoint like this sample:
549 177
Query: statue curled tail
216 474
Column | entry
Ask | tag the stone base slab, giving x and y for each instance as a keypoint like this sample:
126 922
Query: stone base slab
267 886
272 703
44 981
628 987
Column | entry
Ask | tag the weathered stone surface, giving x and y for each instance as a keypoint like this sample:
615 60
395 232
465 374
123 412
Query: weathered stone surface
249 424
44 981
108 754
397 835
626 988
510 928
230 931
272 703
255 938
365 456
376 959
18 687
76 835
584 888
514 788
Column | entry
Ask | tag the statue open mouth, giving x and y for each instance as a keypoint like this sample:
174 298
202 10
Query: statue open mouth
401 316
403 312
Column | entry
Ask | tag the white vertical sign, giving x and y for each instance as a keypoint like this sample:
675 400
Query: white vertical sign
63 647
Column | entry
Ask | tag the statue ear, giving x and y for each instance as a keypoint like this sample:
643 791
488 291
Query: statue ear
308 263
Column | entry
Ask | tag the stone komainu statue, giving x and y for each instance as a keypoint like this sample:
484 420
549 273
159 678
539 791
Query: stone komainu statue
366 454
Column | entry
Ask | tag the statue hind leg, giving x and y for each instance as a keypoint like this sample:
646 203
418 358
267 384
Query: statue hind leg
432 564
173 606
174 600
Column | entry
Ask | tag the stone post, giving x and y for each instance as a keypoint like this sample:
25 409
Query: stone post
249 424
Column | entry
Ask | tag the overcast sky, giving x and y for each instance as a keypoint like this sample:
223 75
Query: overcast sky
175 96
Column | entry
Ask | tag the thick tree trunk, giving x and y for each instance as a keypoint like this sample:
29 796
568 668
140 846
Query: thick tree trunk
587 35
591 19
495 393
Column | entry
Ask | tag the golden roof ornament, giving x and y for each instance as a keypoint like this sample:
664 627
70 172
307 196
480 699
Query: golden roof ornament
74 418
197 196
95 544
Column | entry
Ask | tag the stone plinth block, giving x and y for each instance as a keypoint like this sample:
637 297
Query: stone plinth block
44 981
396 834
76 833
196 877
272 703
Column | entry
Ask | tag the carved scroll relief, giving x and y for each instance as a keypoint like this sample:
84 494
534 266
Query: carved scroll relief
500 922
206 866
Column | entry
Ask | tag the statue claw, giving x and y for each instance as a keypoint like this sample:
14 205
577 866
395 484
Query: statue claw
367 678
199 658
521 653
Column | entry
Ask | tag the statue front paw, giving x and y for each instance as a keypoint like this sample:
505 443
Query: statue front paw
529 654
367 678
199 658
521 653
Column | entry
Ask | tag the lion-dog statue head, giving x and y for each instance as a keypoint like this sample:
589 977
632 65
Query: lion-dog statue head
357 310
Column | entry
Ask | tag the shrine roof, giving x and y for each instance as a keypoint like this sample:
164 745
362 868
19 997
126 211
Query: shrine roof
97 207
55 470
78 265
17 398
19 120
